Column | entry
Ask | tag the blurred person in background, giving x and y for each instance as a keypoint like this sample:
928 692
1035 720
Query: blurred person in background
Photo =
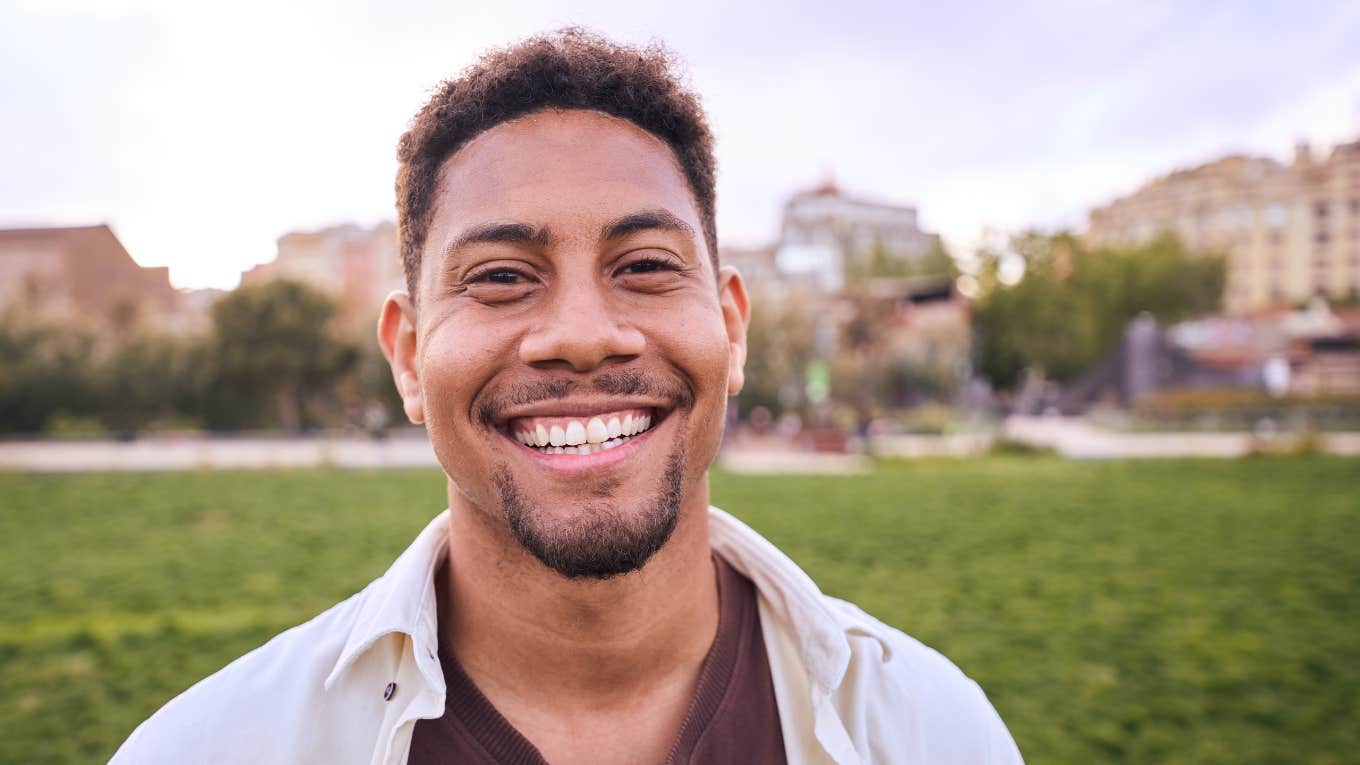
570 341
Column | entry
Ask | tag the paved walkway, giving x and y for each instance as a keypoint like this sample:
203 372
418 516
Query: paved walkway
409 450
194 453
1078 439
1070 437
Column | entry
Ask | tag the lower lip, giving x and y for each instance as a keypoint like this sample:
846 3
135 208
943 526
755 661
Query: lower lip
584 465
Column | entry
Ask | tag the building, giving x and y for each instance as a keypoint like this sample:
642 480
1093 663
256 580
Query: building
1302 353
757 266
356 266
827 235
82 274
1289 231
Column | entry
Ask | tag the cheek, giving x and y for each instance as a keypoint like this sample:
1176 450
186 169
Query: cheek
455 365
698 346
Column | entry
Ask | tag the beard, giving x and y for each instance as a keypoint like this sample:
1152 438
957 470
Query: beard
600 539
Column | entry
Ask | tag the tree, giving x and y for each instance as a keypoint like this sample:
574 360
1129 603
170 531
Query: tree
143 378
1072 304
44 371
780 345
272 351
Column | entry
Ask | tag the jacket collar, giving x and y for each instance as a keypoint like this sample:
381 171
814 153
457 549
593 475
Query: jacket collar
793 598
403 601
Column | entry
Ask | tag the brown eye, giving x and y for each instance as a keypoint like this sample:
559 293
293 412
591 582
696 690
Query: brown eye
500 276
644 266
498 284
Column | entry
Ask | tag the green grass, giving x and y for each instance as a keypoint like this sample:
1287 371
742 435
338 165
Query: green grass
1149 612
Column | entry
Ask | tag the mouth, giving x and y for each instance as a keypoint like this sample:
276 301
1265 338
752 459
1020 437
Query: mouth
582 433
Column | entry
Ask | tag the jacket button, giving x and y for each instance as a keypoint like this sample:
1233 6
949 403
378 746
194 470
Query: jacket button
389 691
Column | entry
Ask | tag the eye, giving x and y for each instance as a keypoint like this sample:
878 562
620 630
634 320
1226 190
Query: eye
645 266
650 263
651 271
500 276
498 284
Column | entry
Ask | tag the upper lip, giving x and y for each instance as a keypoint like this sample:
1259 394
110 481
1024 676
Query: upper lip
581 407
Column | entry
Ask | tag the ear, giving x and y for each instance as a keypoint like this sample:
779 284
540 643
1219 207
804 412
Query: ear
397 336
736 310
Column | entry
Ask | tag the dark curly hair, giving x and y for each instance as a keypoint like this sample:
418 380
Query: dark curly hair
567 69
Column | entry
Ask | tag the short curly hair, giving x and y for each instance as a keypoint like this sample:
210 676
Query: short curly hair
567 69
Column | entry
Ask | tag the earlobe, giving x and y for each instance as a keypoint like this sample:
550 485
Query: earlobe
397 336
736 311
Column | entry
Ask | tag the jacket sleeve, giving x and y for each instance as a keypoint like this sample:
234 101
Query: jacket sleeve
268 706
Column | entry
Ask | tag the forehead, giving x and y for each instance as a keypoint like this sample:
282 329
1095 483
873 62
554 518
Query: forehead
560 168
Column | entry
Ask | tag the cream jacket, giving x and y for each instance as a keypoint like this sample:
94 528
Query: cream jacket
349 685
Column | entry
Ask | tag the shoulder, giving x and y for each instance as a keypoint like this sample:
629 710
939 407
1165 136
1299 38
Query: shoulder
847 684
270 705
896 684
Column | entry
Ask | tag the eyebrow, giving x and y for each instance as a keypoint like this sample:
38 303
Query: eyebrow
504 233
643 221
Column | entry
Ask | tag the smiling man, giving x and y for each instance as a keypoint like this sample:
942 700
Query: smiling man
570 341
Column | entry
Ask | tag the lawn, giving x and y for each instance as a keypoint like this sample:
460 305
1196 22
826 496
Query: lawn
1139 612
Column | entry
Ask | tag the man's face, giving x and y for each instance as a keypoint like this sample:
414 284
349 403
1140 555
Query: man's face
571 349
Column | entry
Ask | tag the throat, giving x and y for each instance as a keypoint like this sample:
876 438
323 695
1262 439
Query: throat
522 631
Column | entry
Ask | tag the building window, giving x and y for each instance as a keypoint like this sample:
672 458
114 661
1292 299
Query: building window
1320 209
1354 204
1321 237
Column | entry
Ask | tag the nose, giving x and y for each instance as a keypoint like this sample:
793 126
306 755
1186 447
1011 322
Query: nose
580 327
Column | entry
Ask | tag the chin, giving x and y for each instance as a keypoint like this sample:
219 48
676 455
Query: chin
598 535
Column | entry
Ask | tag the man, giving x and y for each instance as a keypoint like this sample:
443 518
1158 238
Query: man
570 341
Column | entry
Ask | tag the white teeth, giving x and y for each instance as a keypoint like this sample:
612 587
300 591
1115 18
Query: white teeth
596 431
590 437
576 433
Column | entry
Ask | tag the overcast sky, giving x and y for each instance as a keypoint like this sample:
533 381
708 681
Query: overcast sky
201 132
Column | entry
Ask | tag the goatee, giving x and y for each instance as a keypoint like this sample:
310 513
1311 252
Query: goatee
599 540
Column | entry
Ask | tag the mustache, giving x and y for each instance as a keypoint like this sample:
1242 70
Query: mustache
619 383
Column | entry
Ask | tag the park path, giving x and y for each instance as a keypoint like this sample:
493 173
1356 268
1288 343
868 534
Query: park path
1071 437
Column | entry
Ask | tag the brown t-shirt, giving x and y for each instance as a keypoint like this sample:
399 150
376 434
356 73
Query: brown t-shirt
733 717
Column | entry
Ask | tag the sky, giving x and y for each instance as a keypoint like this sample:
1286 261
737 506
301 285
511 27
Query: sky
202 132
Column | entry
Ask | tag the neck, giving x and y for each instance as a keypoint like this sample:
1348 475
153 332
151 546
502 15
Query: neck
521 629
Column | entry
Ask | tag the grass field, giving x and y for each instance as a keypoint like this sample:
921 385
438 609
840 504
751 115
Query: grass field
1132 612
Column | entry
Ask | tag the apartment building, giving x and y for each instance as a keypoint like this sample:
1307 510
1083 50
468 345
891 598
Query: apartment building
1289 231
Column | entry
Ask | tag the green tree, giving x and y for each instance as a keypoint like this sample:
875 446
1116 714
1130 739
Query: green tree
779 345
45 369
147 377
1072 304
272 352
